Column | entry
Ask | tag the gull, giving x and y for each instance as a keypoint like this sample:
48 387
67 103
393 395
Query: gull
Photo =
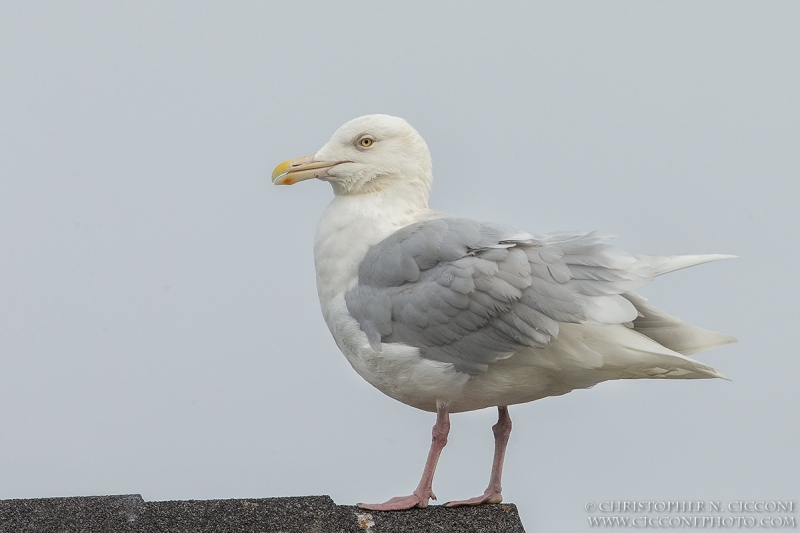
449 314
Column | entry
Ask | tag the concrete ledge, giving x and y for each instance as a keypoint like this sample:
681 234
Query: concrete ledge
303 514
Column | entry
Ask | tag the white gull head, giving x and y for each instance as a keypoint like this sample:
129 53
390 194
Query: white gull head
367 154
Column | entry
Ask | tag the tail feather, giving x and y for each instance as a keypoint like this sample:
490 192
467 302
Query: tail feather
588 354
672 332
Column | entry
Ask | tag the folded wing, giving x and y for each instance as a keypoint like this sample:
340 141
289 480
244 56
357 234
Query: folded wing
470 293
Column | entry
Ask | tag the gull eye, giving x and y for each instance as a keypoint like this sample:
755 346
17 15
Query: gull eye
366 142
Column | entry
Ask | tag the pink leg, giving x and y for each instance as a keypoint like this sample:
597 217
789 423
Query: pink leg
424 491
493 494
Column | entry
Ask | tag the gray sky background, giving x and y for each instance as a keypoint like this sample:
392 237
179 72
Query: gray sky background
159 325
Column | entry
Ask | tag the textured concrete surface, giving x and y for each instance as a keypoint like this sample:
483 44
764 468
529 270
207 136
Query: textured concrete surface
86 514
307 514
484 519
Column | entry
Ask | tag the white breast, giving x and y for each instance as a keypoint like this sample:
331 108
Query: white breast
347 229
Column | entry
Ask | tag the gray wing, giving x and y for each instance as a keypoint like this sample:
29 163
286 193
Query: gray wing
470 293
